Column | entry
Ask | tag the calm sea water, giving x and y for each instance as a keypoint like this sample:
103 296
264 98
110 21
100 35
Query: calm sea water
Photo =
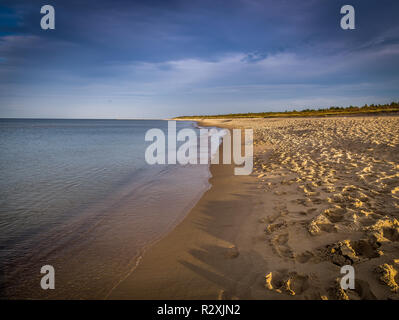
78 195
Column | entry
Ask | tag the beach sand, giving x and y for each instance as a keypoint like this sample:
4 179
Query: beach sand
324 193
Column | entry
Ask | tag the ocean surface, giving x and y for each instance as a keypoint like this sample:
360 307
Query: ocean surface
79 195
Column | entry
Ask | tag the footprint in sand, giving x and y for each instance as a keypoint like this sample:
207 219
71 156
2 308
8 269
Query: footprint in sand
281 209
362 291
389 276
350 252
304 202
335 214
305 257
308 212
384 230
316 200
270 218
225 295
232 252
270 228
280 246
311 210
319 224
291 283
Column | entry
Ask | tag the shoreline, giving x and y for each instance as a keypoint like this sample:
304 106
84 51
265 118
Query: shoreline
184 264
323 194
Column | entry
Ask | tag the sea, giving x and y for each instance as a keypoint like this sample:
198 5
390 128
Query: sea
79 196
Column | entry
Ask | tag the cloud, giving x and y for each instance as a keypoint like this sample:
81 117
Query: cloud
243 70
160 58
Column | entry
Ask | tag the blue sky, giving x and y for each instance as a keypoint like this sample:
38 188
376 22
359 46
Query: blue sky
157 59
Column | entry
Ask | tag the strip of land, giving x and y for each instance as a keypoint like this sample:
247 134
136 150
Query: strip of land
372 110
324 193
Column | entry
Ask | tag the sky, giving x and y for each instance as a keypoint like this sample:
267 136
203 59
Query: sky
159 59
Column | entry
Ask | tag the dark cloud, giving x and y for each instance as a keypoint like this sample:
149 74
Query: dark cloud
134 44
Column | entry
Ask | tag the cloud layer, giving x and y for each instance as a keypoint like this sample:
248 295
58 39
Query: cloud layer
126 59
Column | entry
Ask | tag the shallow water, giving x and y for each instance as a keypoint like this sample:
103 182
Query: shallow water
78 195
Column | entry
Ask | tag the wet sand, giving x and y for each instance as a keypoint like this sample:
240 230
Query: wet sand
324 193
200 259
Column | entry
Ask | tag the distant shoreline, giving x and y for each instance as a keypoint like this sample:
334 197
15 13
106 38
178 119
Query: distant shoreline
388 109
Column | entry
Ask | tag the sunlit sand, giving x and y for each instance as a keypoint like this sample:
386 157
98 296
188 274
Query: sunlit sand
328 196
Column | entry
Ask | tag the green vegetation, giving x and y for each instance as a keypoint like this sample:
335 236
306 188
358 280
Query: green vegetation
332 111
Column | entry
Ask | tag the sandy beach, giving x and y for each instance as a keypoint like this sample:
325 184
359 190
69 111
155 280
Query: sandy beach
324 193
